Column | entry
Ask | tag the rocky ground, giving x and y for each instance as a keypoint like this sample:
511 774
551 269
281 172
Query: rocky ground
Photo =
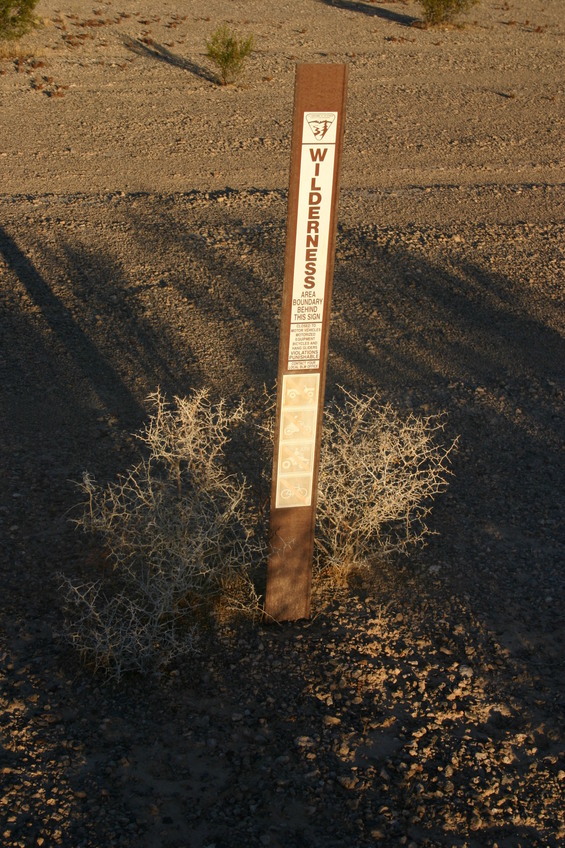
142 228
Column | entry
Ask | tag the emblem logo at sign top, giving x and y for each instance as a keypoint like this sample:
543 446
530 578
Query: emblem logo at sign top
320 122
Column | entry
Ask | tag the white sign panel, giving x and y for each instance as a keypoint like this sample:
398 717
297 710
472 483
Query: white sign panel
312 239
297 440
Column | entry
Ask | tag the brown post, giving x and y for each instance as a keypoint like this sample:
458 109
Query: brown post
319 113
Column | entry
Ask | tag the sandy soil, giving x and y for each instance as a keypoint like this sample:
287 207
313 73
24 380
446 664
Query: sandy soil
142 226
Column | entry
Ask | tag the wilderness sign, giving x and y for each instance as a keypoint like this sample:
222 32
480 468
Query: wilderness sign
312 239
319 112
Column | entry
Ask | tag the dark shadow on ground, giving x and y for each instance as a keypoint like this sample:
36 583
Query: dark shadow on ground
480 353
201 307
232 289
126 328
153 50
60 324
373 10
202 310
76 370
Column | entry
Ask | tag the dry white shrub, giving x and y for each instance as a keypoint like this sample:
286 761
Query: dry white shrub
184 535
181 537
379 473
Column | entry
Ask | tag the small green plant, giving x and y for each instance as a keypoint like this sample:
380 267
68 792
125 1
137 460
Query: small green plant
228 53
438 12
16 18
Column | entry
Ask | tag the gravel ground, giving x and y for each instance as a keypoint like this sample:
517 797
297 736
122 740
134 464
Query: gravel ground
426 709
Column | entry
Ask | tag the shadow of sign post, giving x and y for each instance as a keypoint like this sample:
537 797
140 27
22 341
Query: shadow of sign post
317 137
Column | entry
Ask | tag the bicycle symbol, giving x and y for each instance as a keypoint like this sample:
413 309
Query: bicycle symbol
298 490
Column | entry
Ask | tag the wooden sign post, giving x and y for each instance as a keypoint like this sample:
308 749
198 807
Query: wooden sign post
319 113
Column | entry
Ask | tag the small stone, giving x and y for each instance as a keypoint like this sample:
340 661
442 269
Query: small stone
347 781
476 823
304 742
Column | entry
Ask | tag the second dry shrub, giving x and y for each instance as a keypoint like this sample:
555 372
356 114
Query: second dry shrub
379 473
